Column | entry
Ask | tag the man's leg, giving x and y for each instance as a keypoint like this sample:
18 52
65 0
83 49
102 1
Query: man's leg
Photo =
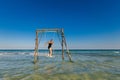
50 51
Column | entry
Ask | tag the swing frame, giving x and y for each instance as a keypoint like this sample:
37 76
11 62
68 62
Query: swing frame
60 31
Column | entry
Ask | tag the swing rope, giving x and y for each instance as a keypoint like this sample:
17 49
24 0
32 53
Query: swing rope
53 37
58 35
40 38
46 39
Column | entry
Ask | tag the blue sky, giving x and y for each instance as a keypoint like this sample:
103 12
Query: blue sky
88 24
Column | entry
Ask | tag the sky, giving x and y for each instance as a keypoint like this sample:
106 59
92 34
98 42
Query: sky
87 24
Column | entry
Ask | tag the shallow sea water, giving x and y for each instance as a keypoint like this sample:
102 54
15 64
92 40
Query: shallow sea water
87 65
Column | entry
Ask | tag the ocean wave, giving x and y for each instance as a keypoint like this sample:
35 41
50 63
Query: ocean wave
14 53
74 53
22 53
116 52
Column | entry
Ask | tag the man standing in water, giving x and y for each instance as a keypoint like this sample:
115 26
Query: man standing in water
50 43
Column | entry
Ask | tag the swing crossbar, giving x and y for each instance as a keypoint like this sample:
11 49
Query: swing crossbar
49 30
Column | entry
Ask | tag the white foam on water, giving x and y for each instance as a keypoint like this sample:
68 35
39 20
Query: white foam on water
116 52
22 53
50 56
39 54
0 54
3 53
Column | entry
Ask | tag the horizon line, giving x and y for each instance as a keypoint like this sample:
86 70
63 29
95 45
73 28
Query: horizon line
64 49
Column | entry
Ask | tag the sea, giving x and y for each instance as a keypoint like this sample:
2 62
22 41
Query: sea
87 64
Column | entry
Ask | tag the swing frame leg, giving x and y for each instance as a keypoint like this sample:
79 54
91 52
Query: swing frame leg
64 43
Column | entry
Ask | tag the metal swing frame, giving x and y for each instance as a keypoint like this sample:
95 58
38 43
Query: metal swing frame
60 31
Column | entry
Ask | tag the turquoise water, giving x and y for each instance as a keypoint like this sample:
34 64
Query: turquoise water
87 65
